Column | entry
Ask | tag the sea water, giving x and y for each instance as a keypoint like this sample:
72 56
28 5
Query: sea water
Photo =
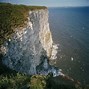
70 29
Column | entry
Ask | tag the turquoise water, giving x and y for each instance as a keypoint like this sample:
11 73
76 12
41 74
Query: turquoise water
70 29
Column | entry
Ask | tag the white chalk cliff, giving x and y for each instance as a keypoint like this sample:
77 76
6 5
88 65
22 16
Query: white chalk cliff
23 52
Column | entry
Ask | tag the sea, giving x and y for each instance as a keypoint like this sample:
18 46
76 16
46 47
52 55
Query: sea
70 29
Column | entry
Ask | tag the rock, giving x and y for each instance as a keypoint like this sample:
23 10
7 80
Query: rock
28 44
45 68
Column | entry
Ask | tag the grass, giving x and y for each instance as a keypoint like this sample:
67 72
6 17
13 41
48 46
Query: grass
13 16
22 81
18 81
38 82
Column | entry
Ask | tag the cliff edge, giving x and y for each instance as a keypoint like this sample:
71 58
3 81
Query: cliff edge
28 43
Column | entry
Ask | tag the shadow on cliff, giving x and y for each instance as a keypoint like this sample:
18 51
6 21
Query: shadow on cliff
4 70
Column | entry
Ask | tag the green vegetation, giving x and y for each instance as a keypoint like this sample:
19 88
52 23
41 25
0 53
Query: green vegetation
22 81
13 16
38 82
14 82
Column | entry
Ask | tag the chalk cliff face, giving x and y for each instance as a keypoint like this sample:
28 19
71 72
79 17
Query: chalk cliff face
24 50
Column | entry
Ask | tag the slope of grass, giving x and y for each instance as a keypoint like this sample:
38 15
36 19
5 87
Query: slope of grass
18 81
21 81
13 16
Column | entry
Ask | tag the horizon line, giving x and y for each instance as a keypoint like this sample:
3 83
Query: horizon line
47 6
65 6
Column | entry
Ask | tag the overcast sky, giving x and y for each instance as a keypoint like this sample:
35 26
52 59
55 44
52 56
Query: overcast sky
50 3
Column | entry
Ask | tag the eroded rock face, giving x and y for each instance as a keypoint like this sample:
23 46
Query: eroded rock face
27 45
45 68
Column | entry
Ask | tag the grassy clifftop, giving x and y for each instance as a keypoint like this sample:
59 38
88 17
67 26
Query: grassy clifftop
13 16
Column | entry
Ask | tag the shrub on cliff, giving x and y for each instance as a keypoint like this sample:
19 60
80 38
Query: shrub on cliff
21 81
14 82
38 82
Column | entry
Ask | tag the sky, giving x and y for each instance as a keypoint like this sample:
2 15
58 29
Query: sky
50 3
